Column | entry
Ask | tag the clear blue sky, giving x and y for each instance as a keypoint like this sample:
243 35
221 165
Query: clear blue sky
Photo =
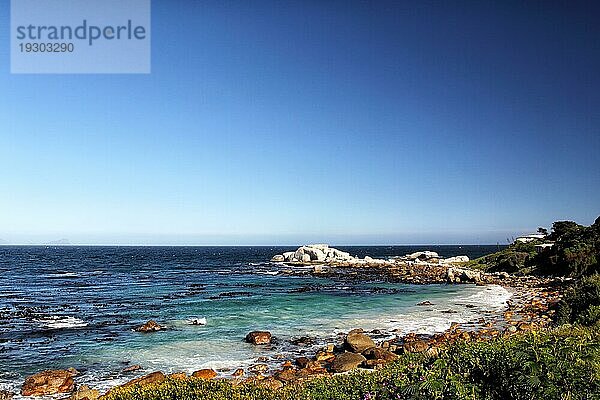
288 122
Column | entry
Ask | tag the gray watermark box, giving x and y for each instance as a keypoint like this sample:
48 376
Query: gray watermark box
80 36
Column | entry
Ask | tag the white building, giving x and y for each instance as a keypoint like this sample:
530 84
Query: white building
530 237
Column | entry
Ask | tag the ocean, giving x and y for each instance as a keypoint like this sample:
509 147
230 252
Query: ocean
70 306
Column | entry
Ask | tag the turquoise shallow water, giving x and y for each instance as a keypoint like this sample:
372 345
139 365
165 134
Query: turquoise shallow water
77 307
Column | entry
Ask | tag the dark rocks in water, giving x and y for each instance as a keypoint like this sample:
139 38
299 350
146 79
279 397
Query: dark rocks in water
357 342
304 289
347 362
206 374
258 337
449 311
132 368
150 326
154 377
48 382
303 341
230 294
425 303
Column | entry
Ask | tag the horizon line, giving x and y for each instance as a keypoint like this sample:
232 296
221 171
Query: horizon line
241 245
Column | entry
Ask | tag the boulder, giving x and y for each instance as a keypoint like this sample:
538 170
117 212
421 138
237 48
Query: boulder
454 260
154 377
6 395
259 337
305 258
303 341
470 275
270 383
358 342
315 253
259 368
278 258
422 255
286 375
238 372
302 362
417 346
131 368
150 326
205 373
288 256
374 364
425 303
347 362
299 253
85 393
48 382
377 353
177 375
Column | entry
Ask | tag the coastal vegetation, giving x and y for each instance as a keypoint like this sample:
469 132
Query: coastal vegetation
570 250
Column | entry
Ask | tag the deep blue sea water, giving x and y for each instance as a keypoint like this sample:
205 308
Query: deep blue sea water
77 306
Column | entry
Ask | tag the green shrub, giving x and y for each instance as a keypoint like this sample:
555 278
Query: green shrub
581 303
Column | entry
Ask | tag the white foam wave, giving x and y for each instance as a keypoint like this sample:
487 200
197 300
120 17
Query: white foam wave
61 322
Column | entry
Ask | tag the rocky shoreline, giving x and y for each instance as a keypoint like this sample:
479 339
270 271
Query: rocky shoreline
529 308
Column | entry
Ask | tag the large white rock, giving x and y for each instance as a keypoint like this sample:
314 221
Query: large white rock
289 255
315 253
278 258
305 258
422 255
456 259
322 247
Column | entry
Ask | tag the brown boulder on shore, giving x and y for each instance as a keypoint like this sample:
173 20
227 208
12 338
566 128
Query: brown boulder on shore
154 377
177 375
150 326
357 342
259 337
377 353
346 362
206 373
48 382
417 346
85 393
6 395
270 383
131 368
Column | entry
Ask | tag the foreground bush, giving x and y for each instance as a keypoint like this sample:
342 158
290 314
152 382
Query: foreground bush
559 364
581 303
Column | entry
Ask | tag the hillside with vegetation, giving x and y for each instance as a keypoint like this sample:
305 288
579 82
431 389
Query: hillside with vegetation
572 250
